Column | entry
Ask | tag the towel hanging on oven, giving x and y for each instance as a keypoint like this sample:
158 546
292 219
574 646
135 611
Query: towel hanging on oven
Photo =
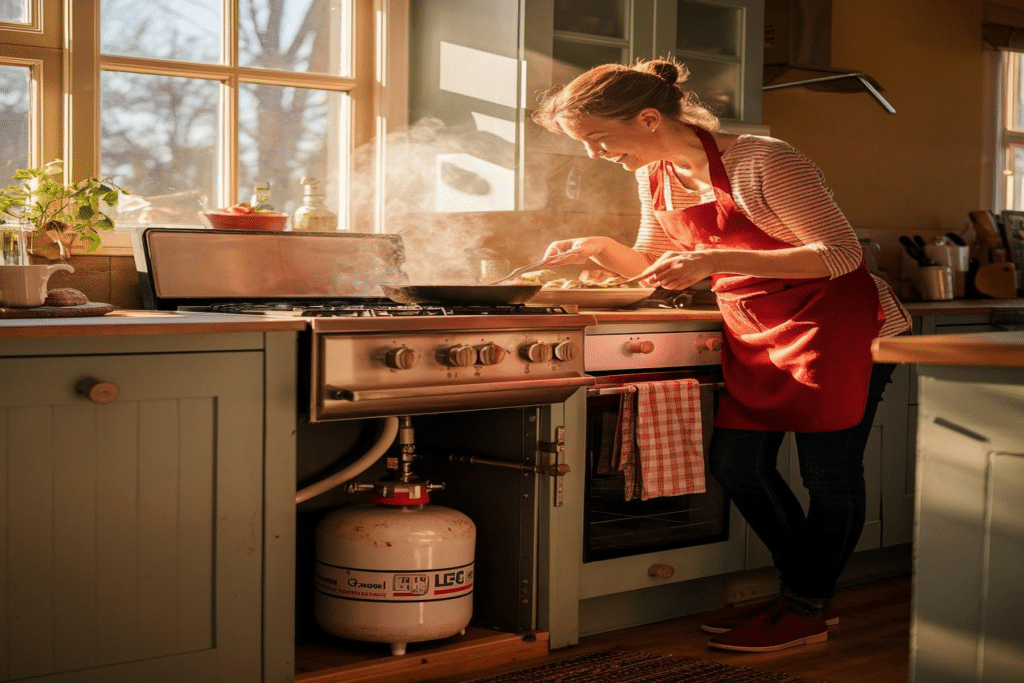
661 440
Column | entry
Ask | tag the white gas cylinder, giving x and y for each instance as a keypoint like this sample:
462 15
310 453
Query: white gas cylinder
394 572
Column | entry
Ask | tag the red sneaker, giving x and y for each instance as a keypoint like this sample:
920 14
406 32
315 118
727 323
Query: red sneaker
776 630
727 620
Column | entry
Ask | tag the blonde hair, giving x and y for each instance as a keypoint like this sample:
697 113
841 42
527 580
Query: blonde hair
620 91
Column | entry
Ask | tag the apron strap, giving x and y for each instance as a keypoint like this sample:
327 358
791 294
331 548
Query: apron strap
719 178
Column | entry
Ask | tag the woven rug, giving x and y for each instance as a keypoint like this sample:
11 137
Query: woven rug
630 666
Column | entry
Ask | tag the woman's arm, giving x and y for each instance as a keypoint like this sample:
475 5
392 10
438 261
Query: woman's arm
605 251
682 269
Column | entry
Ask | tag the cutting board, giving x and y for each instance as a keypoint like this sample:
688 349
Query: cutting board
997 280
83 310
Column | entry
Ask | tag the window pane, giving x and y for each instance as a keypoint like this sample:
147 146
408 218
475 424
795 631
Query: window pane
711 29
14 11
717 84
572 59
594 17
1015 191
13 119
186 30
285 134
160 141
296 35
1015 64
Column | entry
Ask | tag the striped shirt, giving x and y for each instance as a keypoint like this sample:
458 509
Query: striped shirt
784 194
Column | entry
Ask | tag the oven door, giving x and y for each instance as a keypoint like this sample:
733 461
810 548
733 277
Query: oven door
614 527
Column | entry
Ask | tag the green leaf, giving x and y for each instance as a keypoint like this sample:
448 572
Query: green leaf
85 212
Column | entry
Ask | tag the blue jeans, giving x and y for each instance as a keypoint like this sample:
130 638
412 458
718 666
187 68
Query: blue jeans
810 551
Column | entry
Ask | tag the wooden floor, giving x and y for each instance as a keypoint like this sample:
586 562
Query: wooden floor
870 643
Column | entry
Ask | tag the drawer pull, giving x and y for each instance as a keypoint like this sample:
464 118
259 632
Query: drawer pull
661 571
640 346
97 390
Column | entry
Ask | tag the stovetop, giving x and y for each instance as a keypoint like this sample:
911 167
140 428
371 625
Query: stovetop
368 308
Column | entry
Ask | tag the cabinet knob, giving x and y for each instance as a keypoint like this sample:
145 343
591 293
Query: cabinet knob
98 391
713 344
661 571
640 346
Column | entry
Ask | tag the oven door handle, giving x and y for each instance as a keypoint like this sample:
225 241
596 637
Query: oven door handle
342 394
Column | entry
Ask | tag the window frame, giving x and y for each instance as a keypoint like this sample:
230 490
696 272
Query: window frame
61 46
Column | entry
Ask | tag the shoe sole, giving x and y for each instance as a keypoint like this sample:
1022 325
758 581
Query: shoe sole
708 628
809 640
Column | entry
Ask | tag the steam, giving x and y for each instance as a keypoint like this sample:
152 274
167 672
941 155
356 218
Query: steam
451 193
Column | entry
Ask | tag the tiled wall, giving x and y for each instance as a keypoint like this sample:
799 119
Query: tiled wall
105 279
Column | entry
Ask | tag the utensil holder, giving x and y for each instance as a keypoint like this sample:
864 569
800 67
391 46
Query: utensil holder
957 258
935 283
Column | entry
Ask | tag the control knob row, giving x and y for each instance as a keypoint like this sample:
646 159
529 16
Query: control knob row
542 352
464 355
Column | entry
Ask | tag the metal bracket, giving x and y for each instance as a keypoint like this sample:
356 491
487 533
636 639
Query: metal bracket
557 467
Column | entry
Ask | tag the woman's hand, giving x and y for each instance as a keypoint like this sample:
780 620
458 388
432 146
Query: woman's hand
680 269
575 251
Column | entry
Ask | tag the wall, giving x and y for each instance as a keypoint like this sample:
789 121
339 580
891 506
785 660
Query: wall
917 170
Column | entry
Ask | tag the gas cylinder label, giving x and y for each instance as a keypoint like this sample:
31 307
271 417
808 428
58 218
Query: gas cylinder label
373 585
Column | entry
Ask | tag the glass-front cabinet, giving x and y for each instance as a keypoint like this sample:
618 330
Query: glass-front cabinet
720 41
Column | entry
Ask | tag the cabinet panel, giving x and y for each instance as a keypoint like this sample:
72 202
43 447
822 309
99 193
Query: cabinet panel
133 528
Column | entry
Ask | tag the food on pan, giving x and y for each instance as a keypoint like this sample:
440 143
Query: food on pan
588 279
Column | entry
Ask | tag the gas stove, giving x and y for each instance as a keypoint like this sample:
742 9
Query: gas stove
363 355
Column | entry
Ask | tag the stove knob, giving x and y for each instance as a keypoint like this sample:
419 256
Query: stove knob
401 358
566 351
535 352
458 356
490 353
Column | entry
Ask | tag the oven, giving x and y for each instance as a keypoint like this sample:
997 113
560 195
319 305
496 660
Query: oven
613 526
644 548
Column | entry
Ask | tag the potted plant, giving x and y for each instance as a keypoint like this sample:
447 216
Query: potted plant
44 205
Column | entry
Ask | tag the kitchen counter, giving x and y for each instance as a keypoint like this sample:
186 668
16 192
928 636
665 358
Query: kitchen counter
711 313
1001 349
135 323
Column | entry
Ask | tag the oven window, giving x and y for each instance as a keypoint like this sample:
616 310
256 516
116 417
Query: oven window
615 527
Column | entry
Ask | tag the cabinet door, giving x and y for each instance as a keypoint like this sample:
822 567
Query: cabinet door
133 528
722 44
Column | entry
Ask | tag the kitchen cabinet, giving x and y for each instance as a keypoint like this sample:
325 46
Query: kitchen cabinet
966 615
899 464
135 516
720 41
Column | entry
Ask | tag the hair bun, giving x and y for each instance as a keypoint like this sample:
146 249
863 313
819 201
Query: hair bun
671 72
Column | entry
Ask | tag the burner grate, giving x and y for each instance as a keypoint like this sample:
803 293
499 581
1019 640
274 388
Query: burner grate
373 309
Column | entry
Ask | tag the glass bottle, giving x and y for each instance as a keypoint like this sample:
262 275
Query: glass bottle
313 215
261 196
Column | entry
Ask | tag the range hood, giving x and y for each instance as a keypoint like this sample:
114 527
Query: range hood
798 51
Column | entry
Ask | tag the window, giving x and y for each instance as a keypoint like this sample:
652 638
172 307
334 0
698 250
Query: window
188 103
1012 131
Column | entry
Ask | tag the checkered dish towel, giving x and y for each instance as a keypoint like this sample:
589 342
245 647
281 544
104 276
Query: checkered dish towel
662 442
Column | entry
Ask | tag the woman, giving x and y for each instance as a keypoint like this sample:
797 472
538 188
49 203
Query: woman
799 309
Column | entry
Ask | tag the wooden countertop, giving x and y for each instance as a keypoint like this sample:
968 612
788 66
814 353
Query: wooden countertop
134 323
960 306
1002 349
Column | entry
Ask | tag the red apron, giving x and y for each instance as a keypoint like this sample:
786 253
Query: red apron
797 352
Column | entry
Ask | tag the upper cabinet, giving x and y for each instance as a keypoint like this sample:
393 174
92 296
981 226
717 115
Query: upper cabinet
720 41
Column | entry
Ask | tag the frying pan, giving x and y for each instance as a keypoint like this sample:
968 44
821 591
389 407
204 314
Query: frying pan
461 295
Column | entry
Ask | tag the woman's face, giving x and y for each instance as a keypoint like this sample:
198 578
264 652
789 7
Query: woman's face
630 143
